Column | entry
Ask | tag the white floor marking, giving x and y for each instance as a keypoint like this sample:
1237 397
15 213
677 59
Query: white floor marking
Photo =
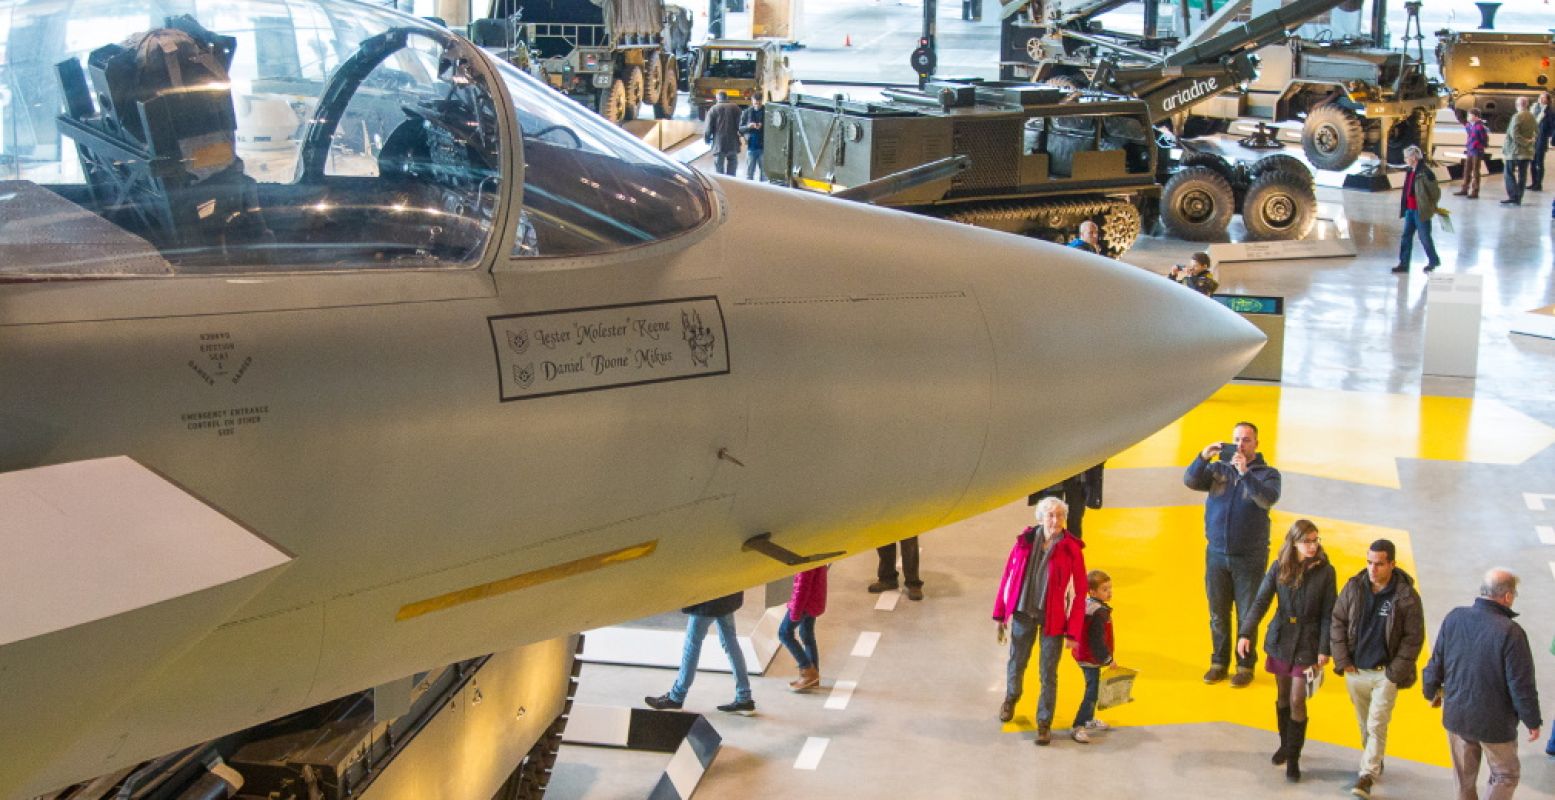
888 601
1546 533
810 754
1536 501
841 693
865 646
1552 568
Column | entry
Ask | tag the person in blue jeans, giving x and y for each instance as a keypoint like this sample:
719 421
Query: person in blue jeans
1241 488
1417 205
1093 653
807 602
700 617
751 122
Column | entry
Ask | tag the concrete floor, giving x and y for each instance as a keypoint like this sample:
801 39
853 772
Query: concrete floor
921 721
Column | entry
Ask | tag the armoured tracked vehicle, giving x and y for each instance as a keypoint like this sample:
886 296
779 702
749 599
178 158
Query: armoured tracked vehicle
1488 71
1043 159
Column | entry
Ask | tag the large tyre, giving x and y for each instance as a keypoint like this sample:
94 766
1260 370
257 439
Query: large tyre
653 80
612 103
1279 205
669 91
1410 130
634 91
1280 162
1332 137
1119 229
1197 204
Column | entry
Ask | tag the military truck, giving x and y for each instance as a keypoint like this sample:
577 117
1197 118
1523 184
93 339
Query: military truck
1489 70
612 55
1043 159
741 67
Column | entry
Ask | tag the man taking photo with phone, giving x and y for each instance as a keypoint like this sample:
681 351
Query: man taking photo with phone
1241 488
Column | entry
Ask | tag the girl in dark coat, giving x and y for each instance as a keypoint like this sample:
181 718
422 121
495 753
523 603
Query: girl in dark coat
1297 639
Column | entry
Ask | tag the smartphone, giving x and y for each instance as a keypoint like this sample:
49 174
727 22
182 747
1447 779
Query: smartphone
1227 451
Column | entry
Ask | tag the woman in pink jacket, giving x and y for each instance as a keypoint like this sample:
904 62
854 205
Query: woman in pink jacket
1041 596
807 602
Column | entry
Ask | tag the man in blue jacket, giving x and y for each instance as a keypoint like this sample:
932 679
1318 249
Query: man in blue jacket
1481 675
1242 489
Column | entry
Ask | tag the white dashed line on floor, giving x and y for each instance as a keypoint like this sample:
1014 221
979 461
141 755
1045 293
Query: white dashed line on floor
1552 568
841 693
810 754
888 601
1536 501
1546 533
865 646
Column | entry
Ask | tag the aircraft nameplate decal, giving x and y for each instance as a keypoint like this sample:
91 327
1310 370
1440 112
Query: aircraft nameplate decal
548 353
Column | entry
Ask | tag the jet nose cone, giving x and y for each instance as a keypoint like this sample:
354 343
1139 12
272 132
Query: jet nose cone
1092 355
907 371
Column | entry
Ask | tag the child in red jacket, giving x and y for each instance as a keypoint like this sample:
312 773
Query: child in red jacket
807 602
1093 653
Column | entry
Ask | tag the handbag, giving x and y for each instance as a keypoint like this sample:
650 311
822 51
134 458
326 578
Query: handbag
1117 687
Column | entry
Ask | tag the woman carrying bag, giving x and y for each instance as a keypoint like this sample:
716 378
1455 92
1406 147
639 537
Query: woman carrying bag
1297 639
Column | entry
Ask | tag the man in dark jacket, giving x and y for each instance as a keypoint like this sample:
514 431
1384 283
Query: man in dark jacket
1417 205
1481 675
751 123
723 133
1377 631
1242 489
720 612
1079 492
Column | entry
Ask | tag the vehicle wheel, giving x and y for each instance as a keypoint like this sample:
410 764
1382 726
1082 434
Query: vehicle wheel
1196 204
1218 163
612 104
1410 130
653 80
669 92
1063 82
1279 205
1119 228
634 91
1280 162
1332 137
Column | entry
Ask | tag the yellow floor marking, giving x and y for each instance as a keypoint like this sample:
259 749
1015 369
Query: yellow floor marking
1349 436
1155 557
524 580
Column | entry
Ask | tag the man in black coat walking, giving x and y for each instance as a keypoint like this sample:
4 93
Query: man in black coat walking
1481 675
723 133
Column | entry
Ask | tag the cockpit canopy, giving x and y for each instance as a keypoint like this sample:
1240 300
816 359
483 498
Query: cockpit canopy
203 137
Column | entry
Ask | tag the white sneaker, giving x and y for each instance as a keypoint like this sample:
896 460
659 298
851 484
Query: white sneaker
1079 735
1097 725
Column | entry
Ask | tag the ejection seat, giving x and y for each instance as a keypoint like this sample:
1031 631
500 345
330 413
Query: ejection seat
157 142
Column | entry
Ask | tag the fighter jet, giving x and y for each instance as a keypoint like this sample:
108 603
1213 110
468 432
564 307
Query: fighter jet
332 350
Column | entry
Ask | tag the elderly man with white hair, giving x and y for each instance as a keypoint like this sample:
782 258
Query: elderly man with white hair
1481 676
1417 206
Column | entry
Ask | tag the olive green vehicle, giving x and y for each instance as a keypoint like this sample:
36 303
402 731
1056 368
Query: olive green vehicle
1488 70
1042 160
743 68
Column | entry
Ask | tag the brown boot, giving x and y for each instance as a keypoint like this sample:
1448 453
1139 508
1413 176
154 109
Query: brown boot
809 678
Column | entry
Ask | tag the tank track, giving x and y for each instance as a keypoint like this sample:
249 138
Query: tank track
1056 220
